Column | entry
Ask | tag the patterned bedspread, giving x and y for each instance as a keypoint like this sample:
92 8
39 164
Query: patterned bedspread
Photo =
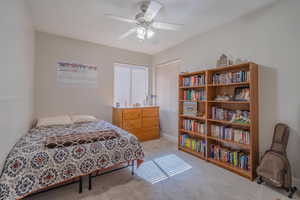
31 166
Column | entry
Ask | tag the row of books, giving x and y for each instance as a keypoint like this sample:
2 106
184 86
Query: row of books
238 116
195 144
232 134
197 80
231 77
235 158
194 125
194 95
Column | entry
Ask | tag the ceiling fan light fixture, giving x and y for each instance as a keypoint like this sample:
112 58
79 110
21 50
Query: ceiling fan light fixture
145 24
141 33
150 33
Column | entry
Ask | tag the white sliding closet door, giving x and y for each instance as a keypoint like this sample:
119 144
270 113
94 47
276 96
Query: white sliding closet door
167 97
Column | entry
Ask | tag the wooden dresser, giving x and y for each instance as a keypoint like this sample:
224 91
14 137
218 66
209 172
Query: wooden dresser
143 122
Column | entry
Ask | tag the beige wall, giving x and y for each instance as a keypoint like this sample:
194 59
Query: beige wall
271 38
16 77
50 99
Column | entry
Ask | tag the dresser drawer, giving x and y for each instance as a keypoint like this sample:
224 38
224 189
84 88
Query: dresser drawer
132 114
133 131
150 122
149 134
132 123
150 112
143 122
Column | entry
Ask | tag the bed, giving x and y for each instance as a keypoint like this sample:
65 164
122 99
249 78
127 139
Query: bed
33 165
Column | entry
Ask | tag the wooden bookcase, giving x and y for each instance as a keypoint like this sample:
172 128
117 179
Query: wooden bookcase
205 107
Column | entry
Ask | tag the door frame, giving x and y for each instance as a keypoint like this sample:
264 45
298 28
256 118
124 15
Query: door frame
163 64
154 86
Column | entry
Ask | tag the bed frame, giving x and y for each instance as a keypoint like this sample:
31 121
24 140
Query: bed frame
90 176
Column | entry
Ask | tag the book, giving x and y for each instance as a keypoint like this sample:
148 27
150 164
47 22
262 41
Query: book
194 95
236 158
195 144
231 77
232 134
238 116
194 125
192 81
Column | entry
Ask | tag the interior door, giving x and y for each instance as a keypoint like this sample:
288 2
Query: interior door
167 97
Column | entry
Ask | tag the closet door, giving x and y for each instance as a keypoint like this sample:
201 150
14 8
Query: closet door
167 97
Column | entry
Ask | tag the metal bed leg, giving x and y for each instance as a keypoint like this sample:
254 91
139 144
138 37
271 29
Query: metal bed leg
90 181
80 184
132 168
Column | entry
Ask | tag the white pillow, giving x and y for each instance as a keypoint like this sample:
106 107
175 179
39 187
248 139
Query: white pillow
83 118
51 121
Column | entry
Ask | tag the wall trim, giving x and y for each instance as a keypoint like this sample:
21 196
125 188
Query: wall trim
296 182
169 137
168 62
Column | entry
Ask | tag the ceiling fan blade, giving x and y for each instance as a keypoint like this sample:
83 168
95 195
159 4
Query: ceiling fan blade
166 26
152 10
123 19
131 31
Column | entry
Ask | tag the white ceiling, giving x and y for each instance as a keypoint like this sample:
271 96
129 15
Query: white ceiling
85 20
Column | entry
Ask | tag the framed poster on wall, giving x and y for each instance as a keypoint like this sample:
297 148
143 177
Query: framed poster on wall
76 75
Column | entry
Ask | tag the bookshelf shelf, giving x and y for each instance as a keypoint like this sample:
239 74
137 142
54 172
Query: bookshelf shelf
230 102
193 133
199 101
193 73
214 83
228 123
244 146
192 87
197 154
192 117
242 172
228 84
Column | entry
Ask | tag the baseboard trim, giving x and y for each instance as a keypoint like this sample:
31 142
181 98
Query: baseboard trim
296 182
169 137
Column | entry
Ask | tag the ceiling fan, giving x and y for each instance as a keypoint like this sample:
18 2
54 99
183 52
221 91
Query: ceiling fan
144 21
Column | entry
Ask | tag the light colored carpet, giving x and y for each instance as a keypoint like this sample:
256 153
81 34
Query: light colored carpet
202 181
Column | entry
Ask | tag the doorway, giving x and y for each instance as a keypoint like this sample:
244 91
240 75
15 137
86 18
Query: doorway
167 97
